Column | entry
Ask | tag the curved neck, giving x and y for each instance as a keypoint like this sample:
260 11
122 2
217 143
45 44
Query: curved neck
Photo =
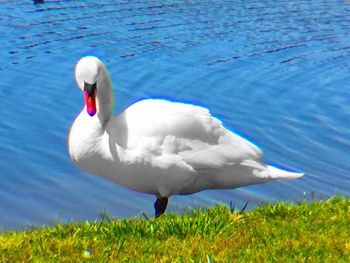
104 100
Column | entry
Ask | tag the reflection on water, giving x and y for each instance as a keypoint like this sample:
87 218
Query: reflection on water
274 71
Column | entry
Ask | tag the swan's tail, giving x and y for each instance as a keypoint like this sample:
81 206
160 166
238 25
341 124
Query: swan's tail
276 173
269 172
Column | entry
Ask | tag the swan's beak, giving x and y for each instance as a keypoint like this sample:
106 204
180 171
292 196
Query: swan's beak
90 98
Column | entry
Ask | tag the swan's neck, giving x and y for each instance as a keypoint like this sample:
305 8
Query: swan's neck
104 101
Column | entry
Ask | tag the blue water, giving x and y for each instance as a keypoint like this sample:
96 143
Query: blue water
277 72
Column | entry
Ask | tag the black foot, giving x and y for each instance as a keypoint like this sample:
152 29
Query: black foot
160 206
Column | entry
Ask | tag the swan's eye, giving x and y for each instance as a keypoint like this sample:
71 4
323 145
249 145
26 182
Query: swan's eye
90 89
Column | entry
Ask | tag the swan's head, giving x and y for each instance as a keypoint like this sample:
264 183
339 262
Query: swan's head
89 72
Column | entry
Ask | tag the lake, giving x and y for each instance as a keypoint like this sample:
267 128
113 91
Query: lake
276 72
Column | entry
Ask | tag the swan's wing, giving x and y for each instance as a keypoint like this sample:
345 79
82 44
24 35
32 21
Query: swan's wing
178 132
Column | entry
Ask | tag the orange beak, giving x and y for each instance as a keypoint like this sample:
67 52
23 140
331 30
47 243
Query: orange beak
90 98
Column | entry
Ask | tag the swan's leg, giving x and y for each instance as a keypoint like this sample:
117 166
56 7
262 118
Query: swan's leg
160 205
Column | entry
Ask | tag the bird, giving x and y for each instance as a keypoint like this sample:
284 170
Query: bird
159 147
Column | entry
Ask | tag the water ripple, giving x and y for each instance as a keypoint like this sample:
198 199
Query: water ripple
274 71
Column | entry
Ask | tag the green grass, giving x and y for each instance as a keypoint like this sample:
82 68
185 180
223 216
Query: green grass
315 232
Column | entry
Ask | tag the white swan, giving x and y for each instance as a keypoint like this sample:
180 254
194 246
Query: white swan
157 146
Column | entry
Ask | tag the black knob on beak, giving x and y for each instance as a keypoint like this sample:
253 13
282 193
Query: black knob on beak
90 89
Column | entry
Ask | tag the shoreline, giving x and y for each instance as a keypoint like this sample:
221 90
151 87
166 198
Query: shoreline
316 231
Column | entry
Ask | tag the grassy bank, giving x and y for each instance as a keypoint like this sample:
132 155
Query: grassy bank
316 232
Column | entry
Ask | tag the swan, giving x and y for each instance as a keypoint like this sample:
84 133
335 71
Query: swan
157 146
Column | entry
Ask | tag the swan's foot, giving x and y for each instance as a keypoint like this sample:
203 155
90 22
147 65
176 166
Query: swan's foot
160 206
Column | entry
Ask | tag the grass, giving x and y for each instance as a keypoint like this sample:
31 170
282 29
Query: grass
314 232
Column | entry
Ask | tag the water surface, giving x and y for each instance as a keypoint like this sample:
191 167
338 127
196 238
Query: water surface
277 72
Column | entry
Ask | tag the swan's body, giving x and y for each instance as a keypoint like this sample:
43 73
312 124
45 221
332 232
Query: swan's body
160 147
